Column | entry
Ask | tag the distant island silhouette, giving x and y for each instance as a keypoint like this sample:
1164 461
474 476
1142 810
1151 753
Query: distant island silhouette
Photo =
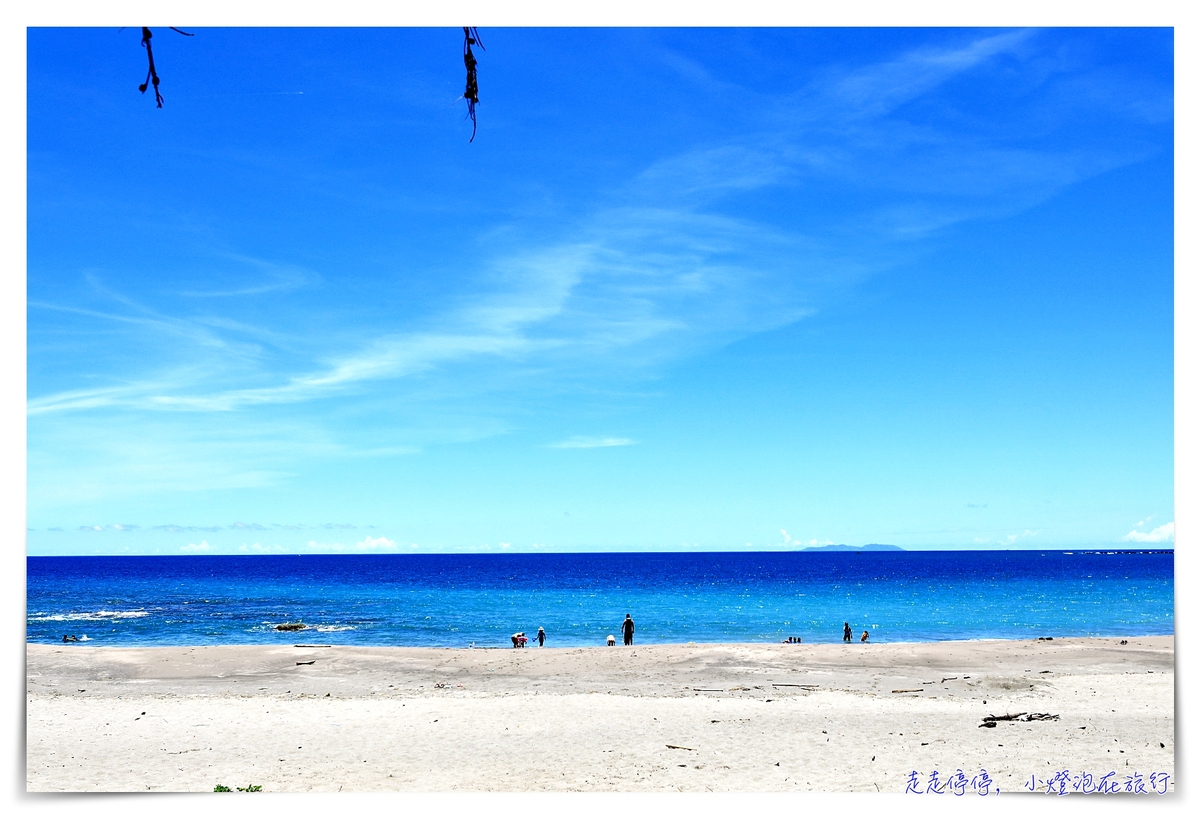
868 547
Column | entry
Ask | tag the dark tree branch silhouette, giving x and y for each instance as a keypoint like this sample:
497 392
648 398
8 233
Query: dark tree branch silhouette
152 72
471 94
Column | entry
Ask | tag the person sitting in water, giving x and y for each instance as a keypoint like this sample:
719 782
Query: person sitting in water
864 637
612 640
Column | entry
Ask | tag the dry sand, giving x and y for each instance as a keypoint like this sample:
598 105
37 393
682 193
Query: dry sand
658 717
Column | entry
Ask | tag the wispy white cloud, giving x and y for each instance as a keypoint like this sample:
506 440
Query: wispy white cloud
877 90
276 277
1012 538
368 543
259 548
1164 533
592 442
375 544
193 548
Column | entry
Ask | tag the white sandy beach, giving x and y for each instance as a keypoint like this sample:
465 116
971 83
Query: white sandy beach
649 718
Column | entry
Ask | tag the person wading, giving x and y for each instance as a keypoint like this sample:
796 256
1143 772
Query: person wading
627 627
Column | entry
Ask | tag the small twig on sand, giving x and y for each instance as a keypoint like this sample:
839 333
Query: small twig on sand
677 747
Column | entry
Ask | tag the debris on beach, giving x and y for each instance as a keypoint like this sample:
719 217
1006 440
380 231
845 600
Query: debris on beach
678 747
910 690
990 721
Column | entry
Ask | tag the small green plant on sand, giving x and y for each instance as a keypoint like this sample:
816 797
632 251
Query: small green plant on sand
221 788
251 788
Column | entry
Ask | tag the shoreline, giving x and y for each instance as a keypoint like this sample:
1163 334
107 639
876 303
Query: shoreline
89 643
694 717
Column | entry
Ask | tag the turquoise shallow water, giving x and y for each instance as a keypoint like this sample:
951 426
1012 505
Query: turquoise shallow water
456 600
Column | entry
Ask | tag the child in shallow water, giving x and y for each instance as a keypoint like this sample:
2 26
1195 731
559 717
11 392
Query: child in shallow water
864 637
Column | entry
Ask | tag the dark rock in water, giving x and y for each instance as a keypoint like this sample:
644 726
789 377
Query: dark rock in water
291 626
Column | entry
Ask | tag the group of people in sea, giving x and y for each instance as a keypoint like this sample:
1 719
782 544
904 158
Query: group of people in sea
848 634
519 639
626 629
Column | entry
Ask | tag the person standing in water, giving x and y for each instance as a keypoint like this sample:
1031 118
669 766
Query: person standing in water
541 637
865 637
627 627
847 634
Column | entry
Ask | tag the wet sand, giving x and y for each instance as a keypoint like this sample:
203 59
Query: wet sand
694 717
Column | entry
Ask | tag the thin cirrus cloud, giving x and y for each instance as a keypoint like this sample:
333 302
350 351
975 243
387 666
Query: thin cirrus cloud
653 282
578 442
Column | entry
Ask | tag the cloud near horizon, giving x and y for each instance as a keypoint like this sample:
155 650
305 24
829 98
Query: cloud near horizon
368 543
1164 533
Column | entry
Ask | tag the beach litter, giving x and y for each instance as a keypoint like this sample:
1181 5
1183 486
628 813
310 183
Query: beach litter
990 721
910 690
307 663
678 747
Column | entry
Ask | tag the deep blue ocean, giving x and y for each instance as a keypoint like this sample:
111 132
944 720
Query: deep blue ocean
457 600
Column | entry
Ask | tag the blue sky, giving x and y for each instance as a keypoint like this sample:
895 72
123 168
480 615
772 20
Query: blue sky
697 288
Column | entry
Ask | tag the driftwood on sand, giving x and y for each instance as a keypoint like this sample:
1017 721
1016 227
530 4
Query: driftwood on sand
990 721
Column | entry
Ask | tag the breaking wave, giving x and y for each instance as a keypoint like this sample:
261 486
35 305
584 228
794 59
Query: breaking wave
89 616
